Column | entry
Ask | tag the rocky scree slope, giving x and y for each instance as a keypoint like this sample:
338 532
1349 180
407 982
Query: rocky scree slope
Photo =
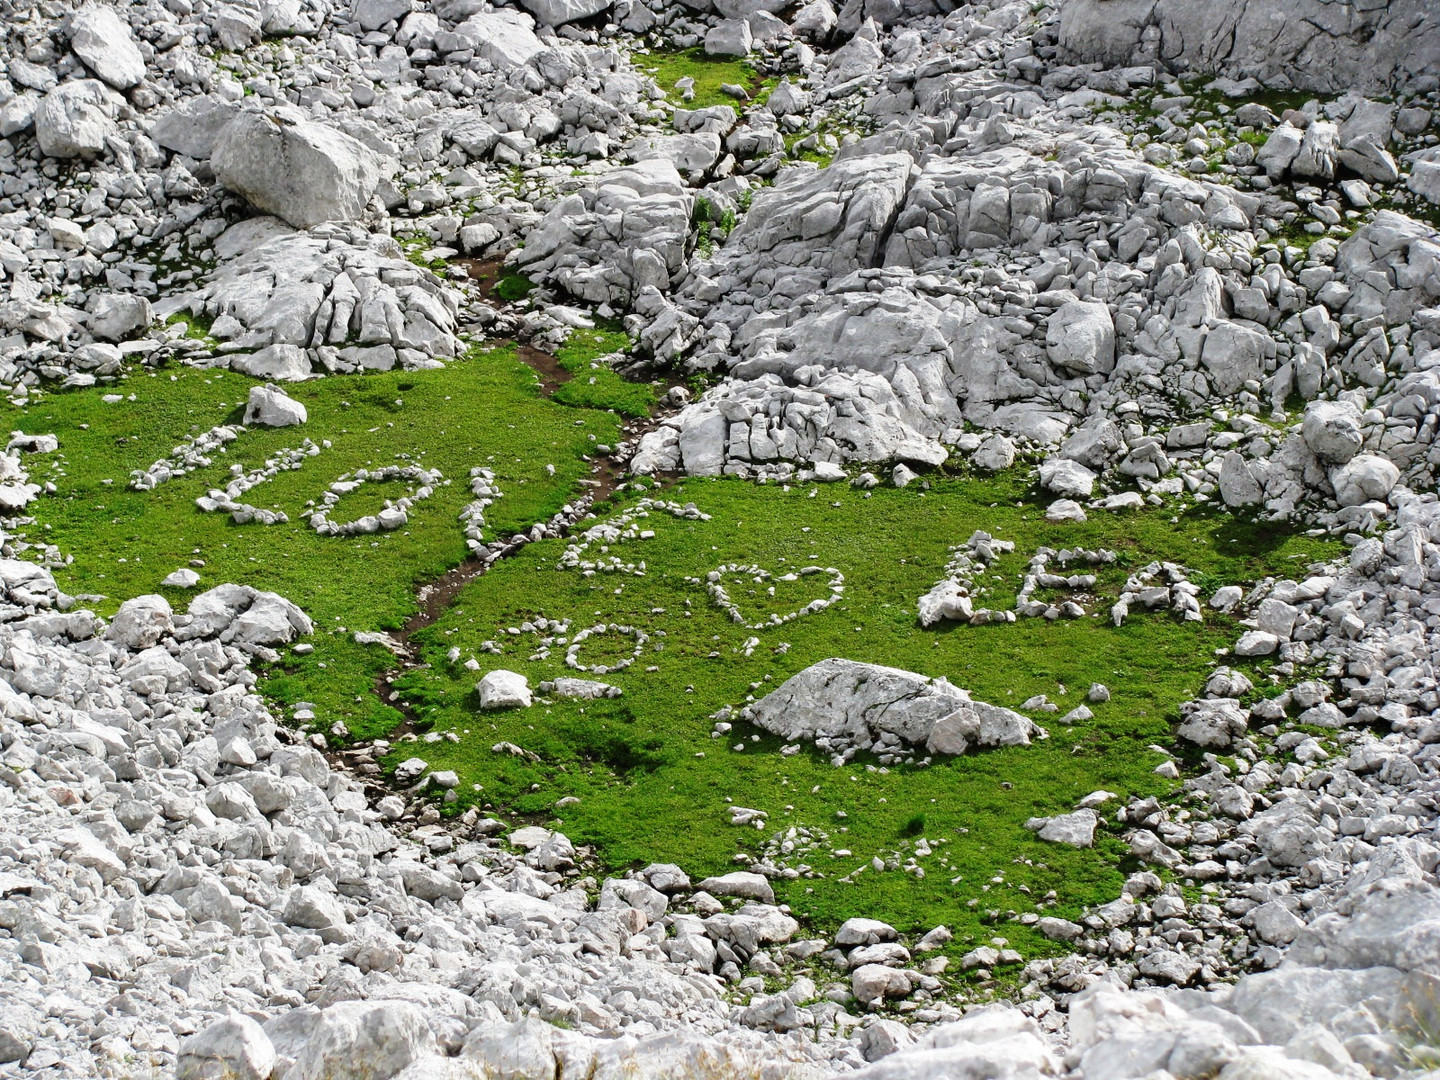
1229 299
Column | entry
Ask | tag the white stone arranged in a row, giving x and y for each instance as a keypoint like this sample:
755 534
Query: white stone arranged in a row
192 454
472 516
396 513
715 586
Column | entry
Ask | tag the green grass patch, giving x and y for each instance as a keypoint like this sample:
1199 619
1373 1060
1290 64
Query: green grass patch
512 287
483 410
709 73
416 248
197 327
594 384
654 785
814 153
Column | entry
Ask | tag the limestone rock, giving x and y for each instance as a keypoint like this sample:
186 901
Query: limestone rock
730 37
234 1047
501 689
1080 337
102 40
1296 45
193 126
1066 477
559 12
1331 430
373 14
74 120
269 406
386 1035
1363 478
1075 830
302 171
841 703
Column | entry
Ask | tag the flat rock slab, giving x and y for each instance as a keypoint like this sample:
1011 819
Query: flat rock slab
842 703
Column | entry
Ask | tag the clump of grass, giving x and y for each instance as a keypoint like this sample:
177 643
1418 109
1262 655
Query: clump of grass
197 327
594 384
709 73
512 287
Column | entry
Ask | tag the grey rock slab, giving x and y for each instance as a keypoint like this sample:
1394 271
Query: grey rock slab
74 120
194 125
502 689
846 703
295 168
102 40
269 406
1295 44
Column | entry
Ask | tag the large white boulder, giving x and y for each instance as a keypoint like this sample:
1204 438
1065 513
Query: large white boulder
269 406
287 363
101 39
1234 355
729 37
244 616
1074 830
501 689
373 14
1066 477
559 12
995 453
1318 150
506 38
74 120
1364 478
843 703
1080 337
118 316
235 1047
1331 430
296 169
385 1036
1424 179
1280 150
1238 486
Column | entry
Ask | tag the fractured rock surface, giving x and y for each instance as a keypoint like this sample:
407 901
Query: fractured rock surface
844 706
